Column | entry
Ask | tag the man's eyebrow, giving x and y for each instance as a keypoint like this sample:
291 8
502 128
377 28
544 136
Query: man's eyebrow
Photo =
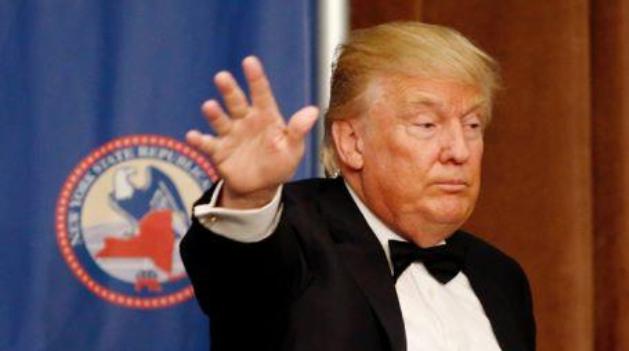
478 103
423 99
428 100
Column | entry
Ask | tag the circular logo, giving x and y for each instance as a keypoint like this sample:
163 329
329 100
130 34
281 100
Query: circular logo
122 213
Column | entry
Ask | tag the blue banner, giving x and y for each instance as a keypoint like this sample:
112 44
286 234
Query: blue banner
96 185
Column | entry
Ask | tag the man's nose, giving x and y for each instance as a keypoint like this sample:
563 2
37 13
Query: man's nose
454 145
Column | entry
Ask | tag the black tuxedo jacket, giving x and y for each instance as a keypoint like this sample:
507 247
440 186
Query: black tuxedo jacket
321 281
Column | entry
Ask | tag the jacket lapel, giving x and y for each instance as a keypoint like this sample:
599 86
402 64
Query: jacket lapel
362 254
492 296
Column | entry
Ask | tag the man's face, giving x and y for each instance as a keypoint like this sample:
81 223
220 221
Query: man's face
422 144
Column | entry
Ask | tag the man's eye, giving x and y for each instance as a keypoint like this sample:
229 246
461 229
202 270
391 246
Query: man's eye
473 129
427 125
423 130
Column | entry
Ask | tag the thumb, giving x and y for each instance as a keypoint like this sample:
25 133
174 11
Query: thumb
302 121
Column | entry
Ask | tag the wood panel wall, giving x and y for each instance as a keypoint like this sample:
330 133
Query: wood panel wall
610 127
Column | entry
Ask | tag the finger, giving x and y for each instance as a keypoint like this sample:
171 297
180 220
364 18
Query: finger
301 122
259 87
217 118
193 138
235 100
203 142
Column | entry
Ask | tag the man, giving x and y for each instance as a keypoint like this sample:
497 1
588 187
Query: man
373 259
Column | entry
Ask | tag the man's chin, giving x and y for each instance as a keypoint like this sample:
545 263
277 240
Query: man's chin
451 213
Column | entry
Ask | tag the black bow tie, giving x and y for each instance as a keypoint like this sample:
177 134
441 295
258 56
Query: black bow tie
443 262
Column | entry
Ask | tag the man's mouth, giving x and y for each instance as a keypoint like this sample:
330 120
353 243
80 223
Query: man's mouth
451 185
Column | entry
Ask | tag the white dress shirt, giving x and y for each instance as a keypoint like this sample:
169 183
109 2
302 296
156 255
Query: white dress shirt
437 317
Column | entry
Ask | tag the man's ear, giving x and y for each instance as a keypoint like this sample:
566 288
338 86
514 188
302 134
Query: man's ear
348 143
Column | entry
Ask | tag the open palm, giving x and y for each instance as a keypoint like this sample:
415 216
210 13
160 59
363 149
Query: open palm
254 150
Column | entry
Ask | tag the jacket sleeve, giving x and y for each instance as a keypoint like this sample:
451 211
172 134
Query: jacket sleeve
244 288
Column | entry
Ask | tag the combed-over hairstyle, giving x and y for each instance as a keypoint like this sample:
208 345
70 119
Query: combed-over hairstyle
406 48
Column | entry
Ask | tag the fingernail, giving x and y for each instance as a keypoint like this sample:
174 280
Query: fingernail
191 134
207 103
251 59
223 74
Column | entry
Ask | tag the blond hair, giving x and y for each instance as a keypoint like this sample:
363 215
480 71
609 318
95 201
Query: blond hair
407 48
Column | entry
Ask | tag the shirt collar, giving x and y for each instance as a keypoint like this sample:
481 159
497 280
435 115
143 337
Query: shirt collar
383 233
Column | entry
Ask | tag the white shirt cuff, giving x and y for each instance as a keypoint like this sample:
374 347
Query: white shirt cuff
247 226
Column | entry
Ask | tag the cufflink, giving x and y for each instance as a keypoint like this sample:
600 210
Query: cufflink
208 221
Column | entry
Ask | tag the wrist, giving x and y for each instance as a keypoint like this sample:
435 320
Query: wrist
256 199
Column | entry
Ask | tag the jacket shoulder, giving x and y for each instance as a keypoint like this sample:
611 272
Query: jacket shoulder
310 194
490 258
307 188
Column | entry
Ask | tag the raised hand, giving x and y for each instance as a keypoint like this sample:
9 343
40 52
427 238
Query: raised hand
254 150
